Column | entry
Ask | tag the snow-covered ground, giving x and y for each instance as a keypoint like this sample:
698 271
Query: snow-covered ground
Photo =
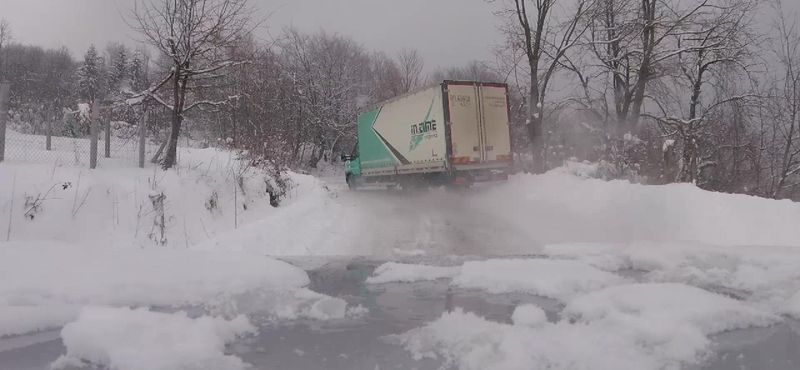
644 275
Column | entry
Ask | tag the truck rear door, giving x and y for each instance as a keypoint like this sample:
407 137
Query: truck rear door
496 131
478 116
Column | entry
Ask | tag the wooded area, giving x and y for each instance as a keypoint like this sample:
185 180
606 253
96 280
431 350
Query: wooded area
657 91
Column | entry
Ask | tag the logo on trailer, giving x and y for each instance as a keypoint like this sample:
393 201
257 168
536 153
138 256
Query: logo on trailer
423 130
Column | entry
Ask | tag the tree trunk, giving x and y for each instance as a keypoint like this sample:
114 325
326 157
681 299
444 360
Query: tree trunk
177 117
648 41
535 131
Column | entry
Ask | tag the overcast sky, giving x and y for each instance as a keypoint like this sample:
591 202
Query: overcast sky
446 32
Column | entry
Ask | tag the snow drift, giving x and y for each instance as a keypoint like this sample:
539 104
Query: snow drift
559 207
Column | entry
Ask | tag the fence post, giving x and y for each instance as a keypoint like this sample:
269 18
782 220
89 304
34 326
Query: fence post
142 132
94 128
4 89
108 135
48 130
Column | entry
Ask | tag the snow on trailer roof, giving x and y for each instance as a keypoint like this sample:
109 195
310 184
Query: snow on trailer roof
424 88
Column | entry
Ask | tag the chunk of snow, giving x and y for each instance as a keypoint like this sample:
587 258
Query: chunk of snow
41 284
299 352
126 339
765 276
555 279
407 273
670 305
528 315
623 327
327 308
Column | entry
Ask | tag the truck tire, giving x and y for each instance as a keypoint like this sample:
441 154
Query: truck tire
351 182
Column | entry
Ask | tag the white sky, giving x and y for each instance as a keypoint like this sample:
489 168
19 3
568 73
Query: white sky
446 32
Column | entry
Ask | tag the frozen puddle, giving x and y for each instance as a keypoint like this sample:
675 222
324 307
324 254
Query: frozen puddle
432 322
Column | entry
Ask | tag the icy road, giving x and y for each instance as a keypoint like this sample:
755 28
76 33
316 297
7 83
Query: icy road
549 272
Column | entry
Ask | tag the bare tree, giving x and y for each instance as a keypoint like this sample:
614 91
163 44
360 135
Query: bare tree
544 42
411 65
193 36
707 52
331 76
785 114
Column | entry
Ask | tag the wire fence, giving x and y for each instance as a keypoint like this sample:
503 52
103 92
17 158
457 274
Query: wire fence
30 139
33 148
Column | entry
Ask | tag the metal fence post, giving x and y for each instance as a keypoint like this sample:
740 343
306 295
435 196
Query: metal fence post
107 121
5 87
94 128
142 132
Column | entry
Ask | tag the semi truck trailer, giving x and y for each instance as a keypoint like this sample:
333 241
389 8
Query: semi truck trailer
453 133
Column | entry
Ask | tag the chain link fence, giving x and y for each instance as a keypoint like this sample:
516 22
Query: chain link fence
72 138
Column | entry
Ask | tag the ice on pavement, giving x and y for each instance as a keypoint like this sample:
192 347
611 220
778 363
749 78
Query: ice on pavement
137 339
408 273
42 283
633 326
555 279
528 315
279 304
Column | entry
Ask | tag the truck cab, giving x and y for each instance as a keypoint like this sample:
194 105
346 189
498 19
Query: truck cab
352 165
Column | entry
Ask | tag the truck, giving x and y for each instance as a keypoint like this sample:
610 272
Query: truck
453 133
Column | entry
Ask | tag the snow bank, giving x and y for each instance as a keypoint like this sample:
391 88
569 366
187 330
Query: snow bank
125 339
555 279
208 194
42 283
765 276
623 327
304 228
409 273
558 207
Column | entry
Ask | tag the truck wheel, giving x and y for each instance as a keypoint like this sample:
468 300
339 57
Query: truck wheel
351 182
